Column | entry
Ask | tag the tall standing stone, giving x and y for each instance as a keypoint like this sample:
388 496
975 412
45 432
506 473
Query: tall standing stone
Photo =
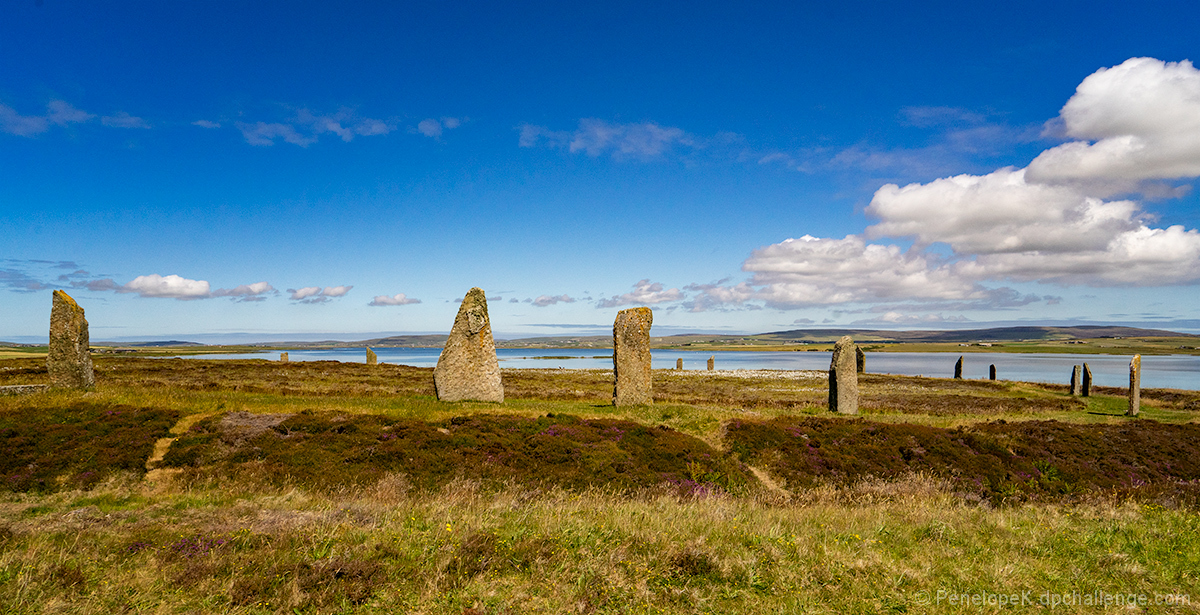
468 369
992 371
679 364
631 357
1076 381
1135 386
958 368
711 361
843 377
372 358
1087 380
283 357
68 361
860 360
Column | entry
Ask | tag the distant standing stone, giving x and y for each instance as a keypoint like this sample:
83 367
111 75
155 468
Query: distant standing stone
468 369
860 360
1087 380
711 361
992 372
283 358
1076 381
68 361
372 359
631 357
958 368
843 377
1135 386
679 364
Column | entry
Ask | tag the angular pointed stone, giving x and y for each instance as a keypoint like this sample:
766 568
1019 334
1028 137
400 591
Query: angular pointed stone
1076 381
68 361
468 369
1087 381
372 358
860 360
679 364
711 361
958 368
631 357
1135 386
843 377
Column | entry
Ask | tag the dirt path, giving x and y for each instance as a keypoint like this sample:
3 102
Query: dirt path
157 478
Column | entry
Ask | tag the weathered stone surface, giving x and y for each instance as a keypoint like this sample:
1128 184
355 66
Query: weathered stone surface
372 358
860 360
68 361
23 389
711 362
283 357
958 368
631 357
992 372
1076 381
679 364
1087 381
1135 386
468 369
843 377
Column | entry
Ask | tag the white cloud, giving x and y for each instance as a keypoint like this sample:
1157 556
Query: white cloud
122 119
21 125
597 137
246 292
1136 121
316 294
306 128
547 300
397 299
206 124
644 292
430 128
262 133
63 113
166 287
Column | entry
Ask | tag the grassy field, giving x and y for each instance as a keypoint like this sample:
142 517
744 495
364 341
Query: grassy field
320 487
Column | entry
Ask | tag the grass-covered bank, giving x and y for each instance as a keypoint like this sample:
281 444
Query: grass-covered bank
341 488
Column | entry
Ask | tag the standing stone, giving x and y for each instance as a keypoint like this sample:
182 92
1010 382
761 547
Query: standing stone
1135 386
1076 381
679 364
711 361
468 369
992 372
1087 380
68 361
860 360
958 369
843 377
372 358
631 357
283 358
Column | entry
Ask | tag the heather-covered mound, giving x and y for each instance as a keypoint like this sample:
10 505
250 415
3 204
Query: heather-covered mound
76 446
997 460
326 450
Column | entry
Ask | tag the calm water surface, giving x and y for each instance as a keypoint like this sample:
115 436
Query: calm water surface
1171 371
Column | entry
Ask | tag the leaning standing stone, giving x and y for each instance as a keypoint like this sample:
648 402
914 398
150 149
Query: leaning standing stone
468 369
631 357
68 361
958 369
1076 381
1087 380
372 358
843 377
860 360
711 360
1135 386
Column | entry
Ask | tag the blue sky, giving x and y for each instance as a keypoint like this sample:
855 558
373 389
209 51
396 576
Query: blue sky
236 171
